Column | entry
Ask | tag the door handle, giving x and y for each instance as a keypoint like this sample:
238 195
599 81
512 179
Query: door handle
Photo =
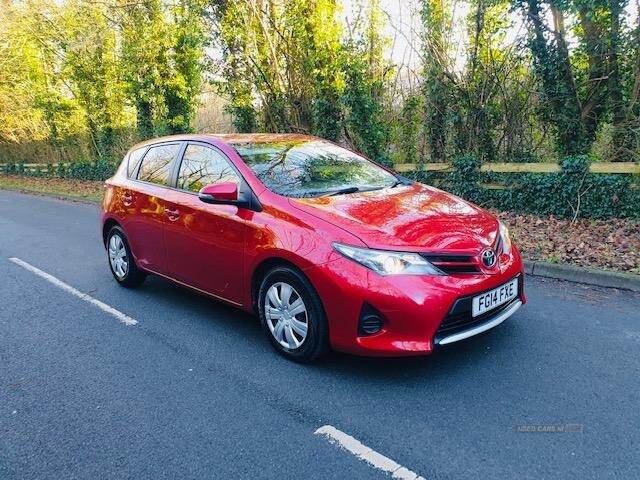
172 214
127 199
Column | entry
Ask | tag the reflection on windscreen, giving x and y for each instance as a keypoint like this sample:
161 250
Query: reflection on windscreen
310 168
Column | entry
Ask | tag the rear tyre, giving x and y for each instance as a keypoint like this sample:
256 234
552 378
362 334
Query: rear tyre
121 262
292 315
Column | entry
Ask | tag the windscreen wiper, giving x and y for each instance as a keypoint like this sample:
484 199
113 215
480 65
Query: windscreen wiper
343 191
400 180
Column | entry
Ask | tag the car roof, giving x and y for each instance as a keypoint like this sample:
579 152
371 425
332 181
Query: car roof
229 138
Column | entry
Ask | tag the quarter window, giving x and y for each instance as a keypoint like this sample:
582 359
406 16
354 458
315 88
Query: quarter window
156 164
132 162
202 166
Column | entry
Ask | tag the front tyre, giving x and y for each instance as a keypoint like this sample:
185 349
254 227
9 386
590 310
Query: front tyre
292 315
123 267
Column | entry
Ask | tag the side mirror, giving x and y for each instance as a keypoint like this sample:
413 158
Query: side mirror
225 192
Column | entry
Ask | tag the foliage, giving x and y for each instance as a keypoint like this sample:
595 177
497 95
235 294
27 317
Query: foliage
408 129
463 178
481 100
287 67
88 46
366 74
181 91
88 70
610 244
162 50
364 122
279 64
436 19
574 192
585 87
79 170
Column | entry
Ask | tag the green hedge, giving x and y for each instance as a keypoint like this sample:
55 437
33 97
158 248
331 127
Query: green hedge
81 170
572 191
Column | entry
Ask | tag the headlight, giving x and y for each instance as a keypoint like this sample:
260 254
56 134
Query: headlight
506 240
388 263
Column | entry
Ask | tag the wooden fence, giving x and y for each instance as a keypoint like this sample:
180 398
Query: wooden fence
33 167
597 167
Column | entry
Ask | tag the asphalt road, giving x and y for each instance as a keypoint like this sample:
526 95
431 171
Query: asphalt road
194 390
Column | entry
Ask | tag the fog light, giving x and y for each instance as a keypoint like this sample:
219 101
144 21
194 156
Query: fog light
371 321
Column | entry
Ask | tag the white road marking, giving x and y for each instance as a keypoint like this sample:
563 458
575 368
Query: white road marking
127 320
361 451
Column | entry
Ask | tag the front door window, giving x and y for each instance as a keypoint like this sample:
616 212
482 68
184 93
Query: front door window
202 166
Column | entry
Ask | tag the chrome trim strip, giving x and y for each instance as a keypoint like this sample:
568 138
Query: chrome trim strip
501 317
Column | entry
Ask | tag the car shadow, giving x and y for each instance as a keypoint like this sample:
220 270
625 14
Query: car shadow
200 306
443 362
207 312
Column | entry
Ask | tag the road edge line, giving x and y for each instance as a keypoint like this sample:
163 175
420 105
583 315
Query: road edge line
123 318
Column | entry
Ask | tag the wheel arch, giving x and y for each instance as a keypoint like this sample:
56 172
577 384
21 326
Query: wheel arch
108 224
266 265
260 271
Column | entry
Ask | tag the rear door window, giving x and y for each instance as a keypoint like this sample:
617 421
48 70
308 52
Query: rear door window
156 164
202 166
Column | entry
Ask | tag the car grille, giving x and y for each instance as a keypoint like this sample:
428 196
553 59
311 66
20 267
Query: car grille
460 319
452 263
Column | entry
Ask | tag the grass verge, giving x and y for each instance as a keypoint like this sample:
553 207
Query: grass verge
64 188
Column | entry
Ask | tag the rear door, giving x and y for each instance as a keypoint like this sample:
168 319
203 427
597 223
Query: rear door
148 197
205 243
123 204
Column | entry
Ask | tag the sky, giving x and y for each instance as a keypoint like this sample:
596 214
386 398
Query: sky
403 28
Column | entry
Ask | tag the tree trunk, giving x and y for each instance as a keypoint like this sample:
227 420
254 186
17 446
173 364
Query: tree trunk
552 66
569 118
435 87
595 105
144 119
622 150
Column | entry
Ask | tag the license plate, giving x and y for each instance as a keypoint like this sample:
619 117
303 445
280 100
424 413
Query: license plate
494 298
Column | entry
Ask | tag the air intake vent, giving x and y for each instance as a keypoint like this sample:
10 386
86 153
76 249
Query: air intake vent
452 263
371 321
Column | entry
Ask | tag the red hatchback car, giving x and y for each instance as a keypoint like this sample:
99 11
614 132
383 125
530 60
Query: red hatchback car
329 248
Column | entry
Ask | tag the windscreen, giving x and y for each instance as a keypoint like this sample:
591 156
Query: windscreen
311 168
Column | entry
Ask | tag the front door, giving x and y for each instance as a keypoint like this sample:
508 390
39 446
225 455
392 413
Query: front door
205 243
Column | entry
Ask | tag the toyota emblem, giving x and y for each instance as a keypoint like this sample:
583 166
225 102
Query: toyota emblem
488 258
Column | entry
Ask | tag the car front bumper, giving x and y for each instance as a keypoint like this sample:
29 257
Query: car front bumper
413 307
477 329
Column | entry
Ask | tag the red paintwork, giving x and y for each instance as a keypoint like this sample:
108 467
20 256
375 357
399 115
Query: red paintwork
218 248
205 246
224 192
407 217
